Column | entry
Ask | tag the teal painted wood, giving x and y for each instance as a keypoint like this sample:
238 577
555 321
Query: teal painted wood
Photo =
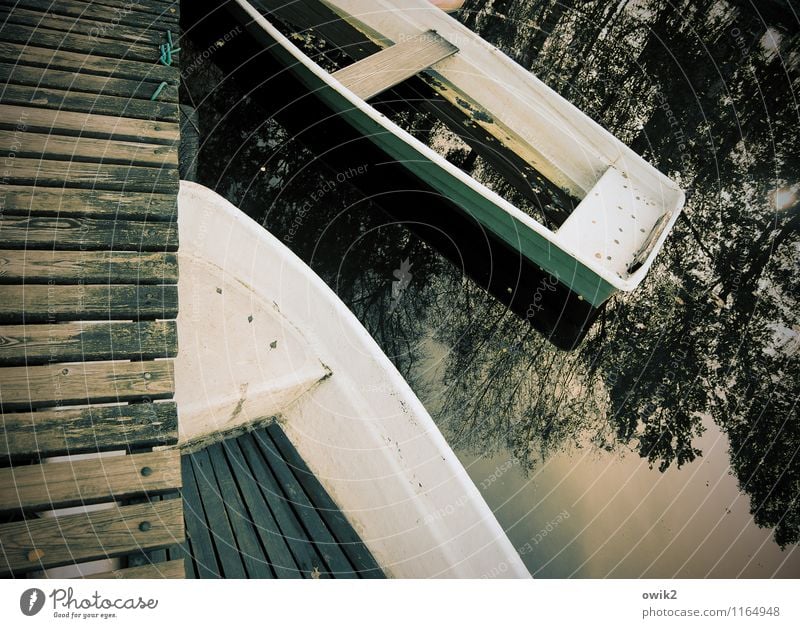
533 246
276 515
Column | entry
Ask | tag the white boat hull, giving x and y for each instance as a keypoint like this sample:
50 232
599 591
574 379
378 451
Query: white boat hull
348 411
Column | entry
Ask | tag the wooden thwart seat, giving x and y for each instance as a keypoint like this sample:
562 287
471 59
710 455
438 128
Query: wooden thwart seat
385 69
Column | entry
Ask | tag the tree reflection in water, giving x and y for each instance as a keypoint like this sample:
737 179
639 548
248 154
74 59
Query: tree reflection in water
706 90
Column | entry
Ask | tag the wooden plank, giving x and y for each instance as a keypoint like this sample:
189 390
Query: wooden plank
274 542
84 342
78 82
36 544
79 42
21 200
69 234
65 100
385 69
81 482
199 538
26 388
230 558
47 172
88 125
334 519
305 554
65 267
183 553
157 7
28 435
39 303
71 148
88 63
76 10
326 545
93 28
173 569
241 522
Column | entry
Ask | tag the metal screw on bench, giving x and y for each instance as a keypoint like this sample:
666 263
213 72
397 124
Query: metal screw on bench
144 526
146 471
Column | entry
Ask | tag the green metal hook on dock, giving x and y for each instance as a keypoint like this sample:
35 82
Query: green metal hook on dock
158 91
167 50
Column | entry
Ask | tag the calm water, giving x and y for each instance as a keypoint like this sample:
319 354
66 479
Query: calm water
657 447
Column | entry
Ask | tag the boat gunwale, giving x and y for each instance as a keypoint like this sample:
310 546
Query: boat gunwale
603 273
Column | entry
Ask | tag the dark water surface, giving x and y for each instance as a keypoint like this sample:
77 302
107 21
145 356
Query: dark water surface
667 443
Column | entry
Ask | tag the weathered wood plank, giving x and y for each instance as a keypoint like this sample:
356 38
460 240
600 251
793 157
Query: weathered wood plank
80 482
88 63
17 117
93 28
241 523
385 69
159 11
71 148
76 10
274 542
26 388
73 342
173 569
334 519
199 538
36 544
65 100
230 558
305 555
79 42
38 303
77 82
157 7
47 172
73 267
183 553
21 200
47 232
28 435
337 563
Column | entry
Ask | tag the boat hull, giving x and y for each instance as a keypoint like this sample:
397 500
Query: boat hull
263 338
534 245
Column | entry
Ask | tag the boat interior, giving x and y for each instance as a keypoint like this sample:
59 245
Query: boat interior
603 203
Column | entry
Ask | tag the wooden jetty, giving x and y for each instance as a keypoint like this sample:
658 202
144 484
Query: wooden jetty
88 231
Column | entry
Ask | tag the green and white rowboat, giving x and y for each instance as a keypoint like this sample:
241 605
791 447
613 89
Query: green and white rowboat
627 207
